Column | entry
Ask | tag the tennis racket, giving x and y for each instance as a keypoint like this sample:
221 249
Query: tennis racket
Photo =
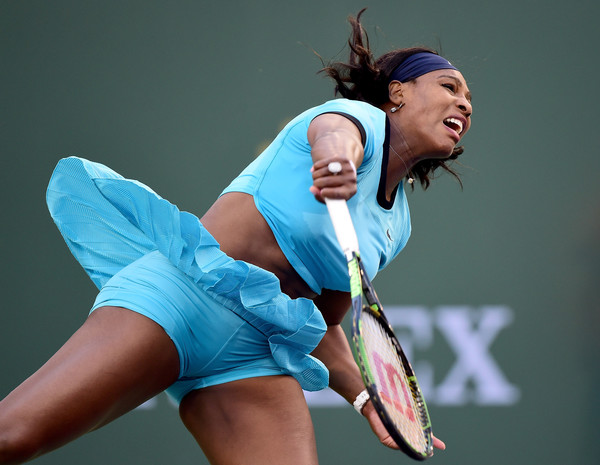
385 370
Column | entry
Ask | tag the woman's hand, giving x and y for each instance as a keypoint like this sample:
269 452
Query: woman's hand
377 426
333 138
334 178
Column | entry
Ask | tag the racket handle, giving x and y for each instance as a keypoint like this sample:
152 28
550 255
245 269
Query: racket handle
342 224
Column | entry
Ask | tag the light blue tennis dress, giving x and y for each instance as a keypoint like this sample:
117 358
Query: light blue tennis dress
229 319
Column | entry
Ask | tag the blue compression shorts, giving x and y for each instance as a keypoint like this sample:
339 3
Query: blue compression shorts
228 319
215 345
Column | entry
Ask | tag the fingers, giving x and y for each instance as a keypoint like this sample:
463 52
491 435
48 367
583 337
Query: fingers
438 443
377 426
333 177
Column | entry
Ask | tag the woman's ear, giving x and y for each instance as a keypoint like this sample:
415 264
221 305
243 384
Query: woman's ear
395 92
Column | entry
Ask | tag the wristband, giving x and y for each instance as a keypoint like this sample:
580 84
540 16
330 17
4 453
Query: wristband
360 401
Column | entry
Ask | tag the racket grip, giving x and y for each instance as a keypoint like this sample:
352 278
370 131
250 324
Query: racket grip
342 224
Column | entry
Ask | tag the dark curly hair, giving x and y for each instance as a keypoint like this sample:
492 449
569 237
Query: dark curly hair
366 78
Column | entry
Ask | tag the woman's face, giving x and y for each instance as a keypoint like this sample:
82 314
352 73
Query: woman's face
436 113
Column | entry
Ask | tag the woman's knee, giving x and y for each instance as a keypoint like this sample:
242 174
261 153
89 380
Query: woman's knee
18 443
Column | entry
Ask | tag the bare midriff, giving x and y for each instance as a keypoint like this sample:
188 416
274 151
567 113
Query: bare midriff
243 233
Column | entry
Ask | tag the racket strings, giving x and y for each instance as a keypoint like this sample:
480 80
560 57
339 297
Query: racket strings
396 390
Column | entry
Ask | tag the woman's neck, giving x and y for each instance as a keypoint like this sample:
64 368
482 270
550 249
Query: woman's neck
401 158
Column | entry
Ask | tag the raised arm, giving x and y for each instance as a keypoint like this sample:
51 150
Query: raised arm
334 138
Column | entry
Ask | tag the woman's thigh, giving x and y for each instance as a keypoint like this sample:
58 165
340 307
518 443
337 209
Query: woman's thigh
113 363
252 421
215 345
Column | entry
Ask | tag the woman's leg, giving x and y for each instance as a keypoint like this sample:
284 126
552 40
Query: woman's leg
117 360
252 421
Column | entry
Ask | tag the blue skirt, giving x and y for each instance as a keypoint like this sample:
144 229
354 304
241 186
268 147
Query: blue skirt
110 222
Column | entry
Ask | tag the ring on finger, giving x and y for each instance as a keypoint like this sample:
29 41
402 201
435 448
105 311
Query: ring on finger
334 167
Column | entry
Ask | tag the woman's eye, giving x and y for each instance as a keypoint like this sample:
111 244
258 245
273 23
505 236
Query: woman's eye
449 86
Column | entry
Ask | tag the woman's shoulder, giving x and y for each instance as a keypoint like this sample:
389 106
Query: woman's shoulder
350 106
369 118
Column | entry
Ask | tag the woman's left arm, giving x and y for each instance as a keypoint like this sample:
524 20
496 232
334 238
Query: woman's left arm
335 352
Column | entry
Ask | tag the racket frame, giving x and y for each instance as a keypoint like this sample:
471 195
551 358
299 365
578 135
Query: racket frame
364 299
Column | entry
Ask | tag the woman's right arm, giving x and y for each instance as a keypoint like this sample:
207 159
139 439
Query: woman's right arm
334 138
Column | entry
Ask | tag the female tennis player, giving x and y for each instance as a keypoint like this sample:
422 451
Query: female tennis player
235 313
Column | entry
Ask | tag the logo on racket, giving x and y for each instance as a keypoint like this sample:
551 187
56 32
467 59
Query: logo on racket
392 387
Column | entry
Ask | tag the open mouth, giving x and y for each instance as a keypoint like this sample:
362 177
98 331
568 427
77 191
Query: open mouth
454 124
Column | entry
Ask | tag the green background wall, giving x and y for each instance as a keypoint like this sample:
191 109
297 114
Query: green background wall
182 94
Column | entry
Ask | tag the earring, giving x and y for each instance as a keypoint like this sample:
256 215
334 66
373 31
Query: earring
395 109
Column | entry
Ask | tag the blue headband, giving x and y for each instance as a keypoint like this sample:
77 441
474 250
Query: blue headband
418 64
